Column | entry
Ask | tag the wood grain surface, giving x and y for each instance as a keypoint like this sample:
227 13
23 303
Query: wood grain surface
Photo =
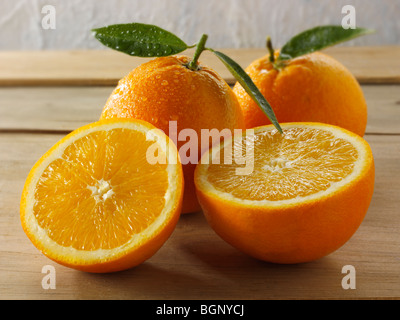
106 67
194 263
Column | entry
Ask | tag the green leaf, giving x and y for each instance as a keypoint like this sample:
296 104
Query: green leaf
318 38
244 79
141 40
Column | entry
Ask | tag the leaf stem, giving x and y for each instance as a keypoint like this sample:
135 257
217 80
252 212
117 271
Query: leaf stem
271 50
199 49
248 85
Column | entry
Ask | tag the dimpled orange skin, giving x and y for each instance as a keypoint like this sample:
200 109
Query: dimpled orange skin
311 88
292 234
164 90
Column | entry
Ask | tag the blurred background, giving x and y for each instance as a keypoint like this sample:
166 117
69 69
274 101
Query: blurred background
229 23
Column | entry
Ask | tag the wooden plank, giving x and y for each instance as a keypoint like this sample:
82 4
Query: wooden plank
49 108
370 64
67 108
106 67
383 108
195 263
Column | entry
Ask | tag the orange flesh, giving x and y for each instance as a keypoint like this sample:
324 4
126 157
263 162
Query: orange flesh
101 191
299 163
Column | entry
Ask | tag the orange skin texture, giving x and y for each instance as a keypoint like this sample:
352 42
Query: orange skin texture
311 88
292 234
164 90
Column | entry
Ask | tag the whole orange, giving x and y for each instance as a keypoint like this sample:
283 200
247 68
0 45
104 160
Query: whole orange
311 88
164 90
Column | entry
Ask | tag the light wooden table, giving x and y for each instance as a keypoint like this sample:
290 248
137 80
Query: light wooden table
44 95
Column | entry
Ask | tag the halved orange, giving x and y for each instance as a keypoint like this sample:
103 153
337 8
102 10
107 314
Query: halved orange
94 201
303 193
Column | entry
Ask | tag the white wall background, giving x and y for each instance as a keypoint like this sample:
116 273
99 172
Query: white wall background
229 23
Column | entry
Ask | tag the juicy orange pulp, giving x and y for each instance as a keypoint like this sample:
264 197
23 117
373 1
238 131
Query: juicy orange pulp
95 202
297 164
112 187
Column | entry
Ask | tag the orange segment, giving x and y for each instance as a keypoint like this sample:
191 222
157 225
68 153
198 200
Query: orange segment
306 194
94 199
